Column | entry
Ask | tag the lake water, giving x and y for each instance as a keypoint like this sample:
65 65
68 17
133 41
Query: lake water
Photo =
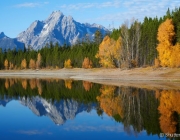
33 109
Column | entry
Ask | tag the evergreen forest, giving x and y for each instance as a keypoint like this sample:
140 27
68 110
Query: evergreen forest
153 42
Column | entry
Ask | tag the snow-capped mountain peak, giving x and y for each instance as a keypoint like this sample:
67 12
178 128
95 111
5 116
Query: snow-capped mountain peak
58 112
57 28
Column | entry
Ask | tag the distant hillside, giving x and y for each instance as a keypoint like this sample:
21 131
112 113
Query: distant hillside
10 43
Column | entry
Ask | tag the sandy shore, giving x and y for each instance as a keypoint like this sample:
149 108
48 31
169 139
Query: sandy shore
147 77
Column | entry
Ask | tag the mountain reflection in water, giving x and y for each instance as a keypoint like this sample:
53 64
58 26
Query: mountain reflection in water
153 110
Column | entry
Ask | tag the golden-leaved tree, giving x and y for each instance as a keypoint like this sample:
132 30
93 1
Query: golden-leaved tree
175 57
23 64
67 63
117 51
109 52
87 63
6 64
169 55
38 62
32 64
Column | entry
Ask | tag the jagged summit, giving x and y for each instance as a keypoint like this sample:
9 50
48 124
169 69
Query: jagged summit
7 43
56 16
2 35
58 112
57 28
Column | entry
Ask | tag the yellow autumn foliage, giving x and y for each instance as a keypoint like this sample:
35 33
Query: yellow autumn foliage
32 83
111 104
6 84
109 51
68 84
67 64
38 62
117 50
87 63
175 57
169 55
24 83
32 64
39 86
169 104
87 85
6 63
23 64
156 63
11 82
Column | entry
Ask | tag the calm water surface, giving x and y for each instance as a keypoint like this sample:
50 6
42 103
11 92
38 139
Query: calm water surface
33 109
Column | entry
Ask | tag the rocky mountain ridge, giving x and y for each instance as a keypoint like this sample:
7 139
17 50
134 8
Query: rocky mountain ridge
7 43
58 112
58 28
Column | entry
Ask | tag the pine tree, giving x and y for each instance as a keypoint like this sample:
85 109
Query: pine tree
98 37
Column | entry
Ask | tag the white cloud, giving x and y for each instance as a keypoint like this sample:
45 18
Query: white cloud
29 132
83 128
33 132
120 10
30 4
138 9
108 4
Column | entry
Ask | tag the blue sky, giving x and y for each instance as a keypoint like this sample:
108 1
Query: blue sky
17 15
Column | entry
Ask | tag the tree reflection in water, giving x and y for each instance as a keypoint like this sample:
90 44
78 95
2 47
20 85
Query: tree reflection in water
169 109
127 105
137 109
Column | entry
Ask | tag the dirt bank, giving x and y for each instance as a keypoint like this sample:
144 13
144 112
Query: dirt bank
147 77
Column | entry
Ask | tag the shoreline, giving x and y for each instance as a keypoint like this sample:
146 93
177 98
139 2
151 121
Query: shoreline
137 77
136 74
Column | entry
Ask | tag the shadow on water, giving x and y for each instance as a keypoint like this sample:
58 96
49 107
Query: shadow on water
153 110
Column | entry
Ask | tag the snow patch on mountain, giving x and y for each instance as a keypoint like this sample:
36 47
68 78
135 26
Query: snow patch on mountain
58 112
57 28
